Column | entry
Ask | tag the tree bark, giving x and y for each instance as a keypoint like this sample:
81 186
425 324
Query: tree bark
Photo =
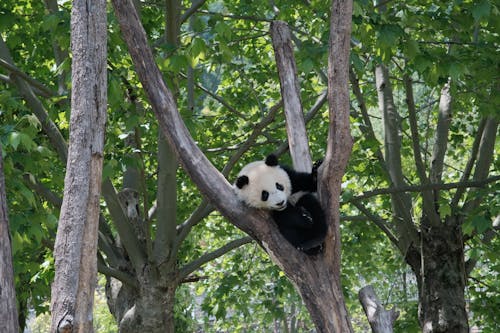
380 319
441 295
290 92
75 249
8 315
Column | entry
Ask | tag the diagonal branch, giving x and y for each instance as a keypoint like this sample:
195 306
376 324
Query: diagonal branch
123 226
470 163
117 274
367 127
378 221
50 129
257 130
8 65
195 5
195 264
426 187
202 211
427 197
484 160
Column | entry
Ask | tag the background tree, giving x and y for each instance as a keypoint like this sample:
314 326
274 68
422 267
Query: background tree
9 321
75 248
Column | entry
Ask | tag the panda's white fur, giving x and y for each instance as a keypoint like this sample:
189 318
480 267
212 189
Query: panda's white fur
265 178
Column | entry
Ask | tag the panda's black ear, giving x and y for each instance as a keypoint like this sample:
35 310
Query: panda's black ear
271 160
242 181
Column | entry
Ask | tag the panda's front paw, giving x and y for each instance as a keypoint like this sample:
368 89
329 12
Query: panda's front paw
306 215
317 164
314 171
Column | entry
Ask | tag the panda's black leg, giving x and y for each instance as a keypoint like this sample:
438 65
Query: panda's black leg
311 243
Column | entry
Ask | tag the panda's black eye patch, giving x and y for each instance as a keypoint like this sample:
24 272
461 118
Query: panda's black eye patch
264 196
280 187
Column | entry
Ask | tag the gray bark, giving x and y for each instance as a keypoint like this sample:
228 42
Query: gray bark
401 203
75 247
290 91
441 135
380 319
8 315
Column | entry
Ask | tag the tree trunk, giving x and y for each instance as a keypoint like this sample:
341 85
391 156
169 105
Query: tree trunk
8 315
152 310
442 302
75 249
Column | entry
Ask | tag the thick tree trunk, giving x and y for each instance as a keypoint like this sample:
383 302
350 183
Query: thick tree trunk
8 313
75 247
152 310
441 294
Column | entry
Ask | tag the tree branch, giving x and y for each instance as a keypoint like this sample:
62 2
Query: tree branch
117 274
379 222
320 101
484 160
441 136
425 187
44 91
130 242
195 5
380 319
415 139
195 264
287 70
50 129
392 145
202 211
427 197
257 130
470 163
217 98
43 191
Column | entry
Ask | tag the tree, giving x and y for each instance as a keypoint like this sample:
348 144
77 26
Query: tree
8 316
428 227
326 297
75 249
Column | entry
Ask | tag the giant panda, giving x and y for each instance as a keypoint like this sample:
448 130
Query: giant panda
268 185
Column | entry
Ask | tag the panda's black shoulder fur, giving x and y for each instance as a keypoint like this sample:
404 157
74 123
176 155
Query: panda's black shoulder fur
303 224
301 181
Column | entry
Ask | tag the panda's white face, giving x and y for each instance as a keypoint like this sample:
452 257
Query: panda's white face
263 186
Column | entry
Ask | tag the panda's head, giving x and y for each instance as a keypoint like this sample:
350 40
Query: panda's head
264 184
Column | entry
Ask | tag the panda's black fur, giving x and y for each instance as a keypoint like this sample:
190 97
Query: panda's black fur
302 223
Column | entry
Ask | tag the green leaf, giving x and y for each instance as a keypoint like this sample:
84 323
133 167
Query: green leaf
444 210
198 48
481 9
14 139
412 48
467 228
481 224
